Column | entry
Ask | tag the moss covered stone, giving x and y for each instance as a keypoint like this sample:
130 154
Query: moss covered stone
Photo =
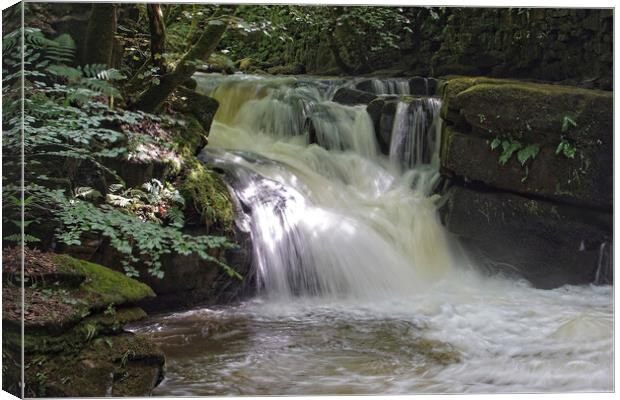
477 111
120 365
74 342
535 112
206 193
38 340
103 284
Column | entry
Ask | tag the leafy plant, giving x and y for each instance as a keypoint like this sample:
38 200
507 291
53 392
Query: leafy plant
509 146
567 123
528 152
566 148
137 241
157 202
66 129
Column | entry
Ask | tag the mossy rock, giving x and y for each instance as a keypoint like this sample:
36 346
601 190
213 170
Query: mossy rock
197 107
478 111
37 340
104 285
535 112
218 62
52 305
207 195
120 365
245 64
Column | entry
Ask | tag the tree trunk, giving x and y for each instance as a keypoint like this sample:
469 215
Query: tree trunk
158 36
100 32
154 96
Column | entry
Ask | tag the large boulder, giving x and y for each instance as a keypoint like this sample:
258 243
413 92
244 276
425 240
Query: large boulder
531 169
479 111
585 179
547 243
73 338
190 279
350 97
422 86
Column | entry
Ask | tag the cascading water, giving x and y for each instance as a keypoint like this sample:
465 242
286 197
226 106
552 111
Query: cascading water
415 133
360 289
391 86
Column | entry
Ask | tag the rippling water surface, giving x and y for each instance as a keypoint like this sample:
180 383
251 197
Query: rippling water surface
509 339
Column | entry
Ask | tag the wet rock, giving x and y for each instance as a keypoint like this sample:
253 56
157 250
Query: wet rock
421 86
478 111
418 85
191 83
189 279
547 243
382 113
202 108
365 86
348 96
73 342
218 63
544 217
375 109
288 69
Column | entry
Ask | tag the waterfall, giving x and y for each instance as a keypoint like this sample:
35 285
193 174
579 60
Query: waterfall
390 86
330 216
415 133
605 266
359 288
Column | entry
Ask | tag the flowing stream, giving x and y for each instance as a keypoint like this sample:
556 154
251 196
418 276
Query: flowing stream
360 289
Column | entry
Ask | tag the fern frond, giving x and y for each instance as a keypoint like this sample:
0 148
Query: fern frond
102 87
64 71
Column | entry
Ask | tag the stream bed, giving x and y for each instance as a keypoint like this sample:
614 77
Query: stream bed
510 338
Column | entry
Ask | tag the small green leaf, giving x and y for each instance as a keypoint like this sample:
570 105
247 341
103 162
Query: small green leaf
567 123
508 151
495 143
528 152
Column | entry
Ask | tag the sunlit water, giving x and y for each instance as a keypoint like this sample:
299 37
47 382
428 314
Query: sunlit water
360 289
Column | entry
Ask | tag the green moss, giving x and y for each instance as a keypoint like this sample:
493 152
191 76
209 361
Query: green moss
207 193
120 365
38 341
106 286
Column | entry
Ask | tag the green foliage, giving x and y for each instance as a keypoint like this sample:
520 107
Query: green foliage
137 241
509 146
274 34
67 129
567 123
565 148
156 203
528 152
